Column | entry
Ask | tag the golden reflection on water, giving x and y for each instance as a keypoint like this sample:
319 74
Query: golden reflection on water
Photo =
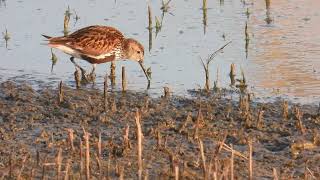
287 51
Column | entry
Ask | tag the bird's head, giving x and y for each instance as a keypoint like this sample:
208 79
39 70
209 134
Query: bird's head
133 50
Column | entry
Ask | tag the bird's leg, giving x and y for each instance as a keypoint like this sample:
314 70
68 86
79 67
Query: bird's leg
83 71
93 74
77 77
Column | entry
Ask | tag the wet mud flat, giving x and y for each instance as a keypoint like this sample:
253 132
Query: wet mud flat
72 136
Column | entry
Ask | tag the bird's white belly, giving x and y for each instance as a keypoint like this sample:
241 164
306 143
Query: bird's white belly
102 56
68 50
76 54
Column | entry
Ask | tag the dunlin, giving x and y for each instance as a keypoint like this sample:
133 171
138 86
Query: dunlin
99 44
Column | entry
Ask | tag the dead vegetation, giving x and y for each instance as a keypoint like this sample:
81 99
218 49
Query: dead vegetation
90 134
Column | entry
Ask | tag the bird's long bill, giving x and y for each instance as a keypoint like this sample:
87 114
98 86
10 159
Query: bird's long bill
144 70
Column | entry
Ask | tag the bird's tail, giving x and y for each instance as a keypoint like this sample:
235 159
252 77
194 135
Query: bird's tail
52 41
47 37
47 41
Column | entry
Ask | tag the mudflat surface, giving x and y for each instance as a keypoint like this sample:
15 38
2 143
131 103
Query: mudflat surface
34 127
281 57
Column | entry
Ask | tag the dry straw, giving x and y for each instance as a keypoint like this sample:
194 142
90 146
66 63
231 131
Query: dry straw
139 143
113 73
60 94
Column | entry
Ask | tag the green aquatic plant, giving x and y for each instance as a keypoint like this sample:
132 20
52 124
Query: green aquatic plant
3 2
158 25
242 86
6 37
246 31
206 63
248 13
224 36
68 12
76 17
54 60
165 9
149 72
221 2
150 40
165 6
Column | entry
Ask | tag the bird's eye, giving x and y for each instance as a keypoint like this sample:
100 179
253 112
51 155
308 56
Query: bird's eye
138 52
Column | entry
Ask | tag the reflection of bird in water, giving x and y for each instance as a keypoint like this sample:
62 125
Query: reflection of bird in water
98 44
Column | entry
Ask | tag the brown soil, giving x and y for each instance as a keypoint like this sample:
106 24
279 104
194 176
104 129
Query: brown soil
34 126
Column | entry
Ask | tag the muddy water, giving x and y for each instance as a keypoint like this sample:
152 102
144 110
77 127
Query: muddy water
281 59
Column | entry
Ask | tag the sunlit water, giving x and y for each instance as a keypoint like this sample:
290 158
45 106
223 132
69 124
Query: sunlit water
283 56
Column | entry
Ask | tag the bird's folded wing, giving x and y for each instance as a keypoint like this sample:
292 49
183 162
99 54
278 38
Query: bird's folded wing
95 40
92 41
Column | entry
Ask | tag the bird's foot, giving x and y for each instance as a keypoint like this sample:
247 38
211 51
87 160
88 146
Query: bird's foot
84 76
92 77
88 78
77 78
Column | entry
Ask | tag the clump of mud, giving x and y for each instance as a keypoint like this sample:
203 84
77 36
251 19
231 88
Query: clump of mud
42 136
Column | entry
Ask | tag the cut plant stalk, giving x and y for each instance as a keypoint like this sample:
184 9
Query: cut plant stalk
250 160
232 163
124 80
86 139
247 40
105 93
113 73
204 14
150 27
150 39
268 12
126 140
58 163
232 74
99 146
285 110
77 77
60 95
139 143
203 157
66 25
71 138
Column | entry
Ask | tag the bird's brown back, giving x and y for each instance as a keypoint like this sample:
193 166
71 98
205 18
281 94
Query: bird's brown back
92 40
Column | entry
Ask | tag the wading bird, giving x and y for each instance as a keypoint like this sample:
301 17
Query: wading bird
98 44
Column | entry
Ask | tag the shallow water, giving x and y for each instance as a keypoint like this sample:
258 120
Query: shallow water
282 56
